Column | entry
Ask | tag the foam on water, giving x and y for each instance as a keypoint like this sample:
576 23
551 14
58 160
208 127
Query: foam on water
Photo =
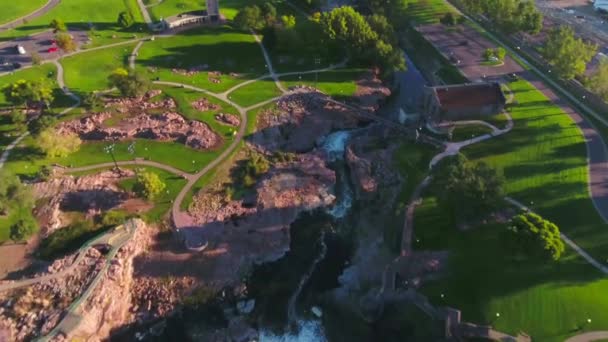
308 331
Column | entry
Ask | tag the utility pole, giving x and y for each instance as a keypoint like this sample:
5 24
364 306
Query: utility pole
317 63
110 150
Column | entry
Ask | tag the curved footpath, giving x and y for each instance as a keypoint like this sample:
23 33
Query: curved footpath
136 162
590 336
37 13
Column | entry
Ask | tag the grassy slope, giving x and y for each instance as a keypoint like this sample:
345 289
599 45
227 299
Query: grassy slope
221 49
426 11
89 71
102 14
167 8
546 301
12 10
255 93
336 83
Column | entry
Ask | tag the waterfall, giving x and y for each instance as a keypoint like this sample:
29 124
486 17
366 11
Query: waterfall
335 145
292 316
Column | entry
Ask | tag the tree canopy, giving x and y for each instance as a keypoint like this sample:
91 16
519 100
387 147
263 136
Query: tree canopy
65 41
533 236
24 92
568 55
598 82
58 25
510 16
467 189
148 184
57 145
126 19
129 83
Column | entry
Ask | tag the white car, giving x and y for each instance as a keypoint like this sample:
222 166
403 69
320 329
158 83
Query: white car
21 50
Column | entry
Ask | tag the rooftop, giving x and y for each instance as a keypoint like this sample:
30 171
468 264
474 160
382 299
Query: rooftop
469 95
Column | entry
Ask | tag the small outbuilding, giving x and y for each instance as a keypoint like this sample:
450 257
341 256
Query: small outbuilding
463 101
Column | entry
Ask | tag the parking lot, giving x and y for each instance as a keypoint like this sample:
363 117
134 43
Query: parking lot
41 43
465 47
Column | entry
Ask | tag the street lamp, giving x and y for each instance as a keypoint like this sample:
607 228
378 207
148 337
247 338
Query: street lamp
110 150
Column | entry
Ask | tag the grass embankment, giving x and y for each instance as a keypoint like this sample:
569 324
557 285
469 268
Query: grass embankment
544 162
80 14
338 84
426 11
254 93
165 8
220 49
12 10
89 71
462 133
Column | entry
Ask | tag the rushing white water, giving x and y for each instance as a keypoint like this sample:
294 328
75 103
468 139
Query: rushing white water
335 145
308 331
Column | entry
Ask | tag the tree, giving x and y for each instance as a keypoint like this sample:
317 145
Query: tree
57 145
488 54
467 189
65 41
42 123
126 19
288 21
92 101
249 18
23 228
269 12
58 25
23 92
13 194
569 55
18 118
598 82
533 236
130 83
36 59
448 19
510 16
148 185
500 53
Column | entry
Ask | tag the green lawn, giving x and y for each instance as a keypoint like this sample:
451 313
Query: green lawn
13 10
544 162
89 71
166 8
335 83
255 93
77 14
462 133
25 160
219 49
47 73
426 11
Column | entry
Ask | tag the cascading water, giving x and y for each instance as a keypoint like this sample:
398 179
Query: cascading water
335 145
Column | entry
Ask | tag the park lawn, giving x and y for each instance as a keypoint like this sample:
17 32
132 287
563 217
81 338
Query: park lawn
164 201
184 99
547 301
427 11
544 161
220 49
462 133
77 14
254 93
166 8
26 160
89 71
12 10
339 84
46 73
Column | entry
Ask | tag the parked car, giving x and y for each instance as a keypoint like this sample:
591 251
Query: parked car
52 49
16 65
20 50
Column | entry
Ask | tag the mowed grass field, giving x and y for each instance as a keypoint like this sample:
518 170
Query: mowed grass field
89 71
254 93
165 8
544 162
335 83
427 11
12 10
78 14
234 54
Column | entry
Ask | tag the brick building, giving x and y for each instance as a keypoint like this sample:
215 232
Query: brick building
463 101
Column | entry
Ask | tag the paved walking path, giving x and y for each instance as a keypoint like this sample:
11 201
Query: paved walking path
144 12
137 162
37 13
589 336
273 74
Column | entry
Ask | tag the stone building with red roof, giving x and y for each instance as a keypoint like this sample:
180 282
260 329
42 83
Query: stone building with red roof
463 101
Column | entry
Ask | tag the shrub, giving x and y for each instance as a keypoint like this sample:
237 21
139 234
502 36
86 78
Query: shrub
533 236
148 185
23 228
114 218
